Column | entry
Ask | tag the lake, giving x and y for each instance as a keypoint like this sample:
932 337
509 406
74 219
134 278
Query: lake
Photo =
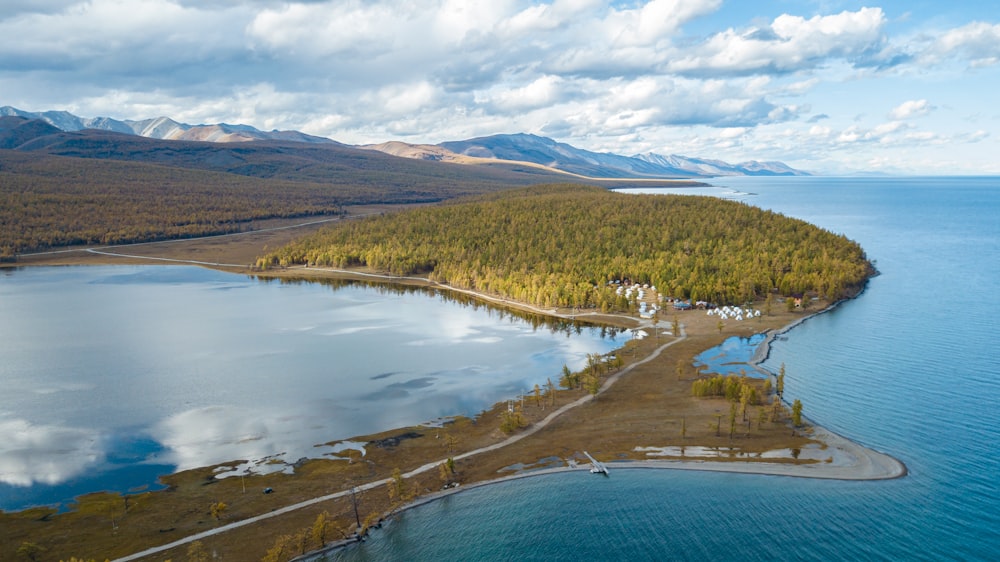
115 375
910 368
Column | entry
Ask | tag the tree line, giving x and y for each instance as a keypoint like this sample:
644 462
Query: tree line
560 245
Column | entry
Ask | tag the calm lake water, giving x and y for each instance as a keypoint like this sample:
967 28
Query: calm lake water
112 376
911 368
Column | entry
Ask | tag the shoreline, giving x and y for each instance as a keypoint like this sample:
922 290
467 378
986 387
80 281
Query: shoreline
850 461
854 462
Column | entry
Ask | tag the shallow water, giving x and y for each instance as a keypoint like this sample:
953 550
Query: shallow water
731 357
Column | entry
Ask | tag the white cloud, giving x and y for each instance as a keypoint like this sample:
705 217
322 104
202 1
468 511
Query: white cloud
790 43
543 91
622 76
108 31
977 42
910 109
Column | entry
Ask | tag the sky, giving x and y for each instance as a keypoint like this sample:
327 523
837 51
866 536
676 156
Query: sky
828 86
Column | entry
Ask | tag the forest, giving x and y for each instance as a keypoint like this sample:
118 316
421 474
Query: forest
98 187
562 244
51 201
86 187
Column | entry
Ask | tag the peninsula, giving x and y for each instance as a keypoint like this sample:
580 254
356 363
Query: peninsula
634 408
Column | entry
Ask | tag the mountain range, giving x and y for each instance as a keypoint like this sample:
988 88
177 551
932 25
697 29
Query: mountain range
522 148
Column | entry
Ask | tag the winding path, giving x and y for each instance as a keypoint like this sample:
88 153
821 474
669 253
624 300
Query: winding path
420 470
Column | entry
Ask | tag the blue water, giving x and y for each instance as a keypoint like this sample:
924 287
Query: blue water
113 376
731 357
910 368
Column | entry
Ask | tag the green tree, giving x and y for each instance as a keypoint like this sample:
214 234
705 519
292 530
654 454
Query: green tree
511 421
746 394
319 529
277 552
300 541
567 380
397 488
593 385
780 381
675 327
535 245
776 409
594 363
797 413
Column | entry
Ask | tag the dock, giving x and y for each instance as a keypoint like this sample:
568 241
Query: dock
597 467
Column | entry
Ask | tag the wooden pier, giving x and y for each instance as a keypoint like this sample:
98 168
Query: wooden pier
597 467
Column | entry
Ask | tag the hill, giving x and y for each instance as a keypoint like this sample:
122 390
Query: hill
60 188
95 186
561 245
15 131
322 163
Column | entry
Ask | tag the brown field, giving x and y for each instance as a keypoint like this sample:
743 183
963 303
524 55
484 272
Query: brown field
644 408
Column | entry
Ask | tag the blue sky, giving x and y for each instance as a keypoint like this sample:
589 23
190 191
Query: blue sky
828 86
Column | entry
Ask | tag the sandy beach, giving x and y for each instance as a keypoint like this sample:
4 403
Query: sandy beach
847 461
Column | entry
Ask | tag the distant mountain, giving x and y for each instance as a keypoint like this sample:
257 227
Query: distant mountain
163 128
704 167
561 156
525 149
354 176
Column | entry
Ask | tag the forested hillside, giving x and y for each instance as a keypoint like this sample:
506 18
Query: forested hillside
50 201
59 188
561 245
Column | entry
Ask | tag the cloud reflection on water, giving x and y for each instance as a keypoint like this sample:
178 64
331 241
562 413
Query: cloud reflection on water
186 376
45 454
